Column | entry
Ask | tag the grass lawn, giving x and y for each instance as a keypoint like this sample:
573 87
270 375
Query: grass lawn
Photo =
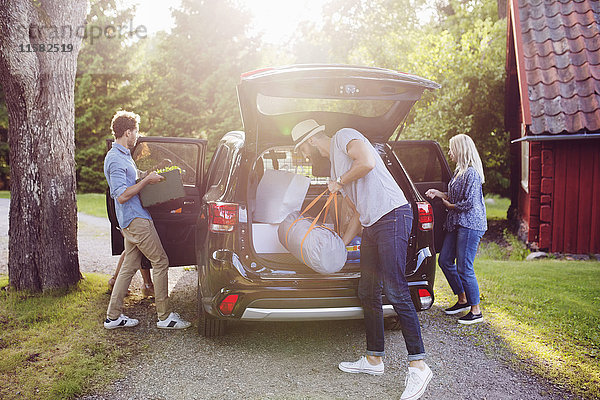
87 203
496 206
548 312
92 204
53 346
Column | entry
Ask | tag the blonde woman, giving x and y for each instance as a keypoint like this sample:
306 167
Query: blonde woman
465 225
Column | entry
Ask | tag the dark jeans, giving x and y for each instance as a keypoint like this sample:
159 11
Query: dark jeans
382 266
461 245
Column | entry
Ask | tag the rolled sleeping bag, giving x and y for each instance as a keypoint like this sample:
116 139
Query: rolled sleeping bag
323 249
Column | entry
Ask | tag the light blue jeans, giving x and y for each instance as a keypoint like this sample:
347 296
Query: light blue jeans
456 260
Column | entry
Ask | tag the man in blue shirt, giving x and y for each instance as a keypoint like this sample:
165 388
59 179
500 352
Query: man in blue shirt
136 226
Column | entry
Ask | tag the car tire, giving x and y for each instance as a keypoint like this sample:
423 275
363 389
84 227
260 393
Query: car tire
209 326
392 324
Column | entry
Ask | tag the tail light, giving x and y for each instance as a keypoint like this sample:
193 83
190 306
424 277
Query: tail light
228 303
426 299
425 216
222 217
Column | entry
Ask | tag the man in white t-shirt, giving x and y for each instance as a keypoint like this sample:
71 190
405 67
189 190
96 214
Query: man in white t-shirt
381 208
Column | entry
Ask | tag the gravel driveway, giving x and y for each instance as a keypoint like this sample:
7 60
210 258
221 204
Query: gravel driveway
299 361
291 360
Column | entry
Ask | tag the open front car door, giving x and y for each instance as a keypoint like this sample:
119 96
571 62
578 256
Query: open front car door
176 220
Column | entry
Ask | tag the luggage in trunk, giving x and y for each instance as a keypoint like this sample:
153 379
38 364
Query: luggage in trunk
322 249
278 194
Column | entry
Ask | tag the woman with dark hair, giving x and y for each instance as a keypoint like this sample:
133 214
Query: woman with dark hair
465 225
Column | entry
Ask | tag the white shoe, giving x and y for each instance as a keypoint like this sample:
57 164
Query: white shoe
122 322
416 382
173 321
363 366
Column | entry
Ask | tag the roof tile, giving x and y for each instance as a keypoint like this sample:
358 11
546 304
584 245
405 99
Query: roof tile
549 9
548 47
565 90
569 106
563 123
561 61
561 47
558 76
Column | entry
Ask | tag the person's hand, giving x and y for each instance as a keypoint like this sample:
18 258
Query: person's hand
333 186
433 193
153 178
447 204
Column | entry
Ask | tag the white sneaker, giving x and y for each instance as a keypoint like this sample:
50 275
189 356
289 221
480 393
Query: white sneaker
416 382
362 365
173 321
122 322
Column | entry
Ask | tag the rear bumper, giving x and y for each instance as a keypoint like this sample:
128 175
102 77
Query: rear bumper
296 304
309 314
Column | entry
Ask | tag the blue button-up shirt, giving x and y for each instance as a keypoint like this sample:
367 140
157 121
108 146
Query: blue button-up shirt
465 192
121 172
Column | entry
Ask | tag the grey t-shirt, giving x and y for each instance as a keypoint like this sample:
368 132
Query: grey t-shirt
373 195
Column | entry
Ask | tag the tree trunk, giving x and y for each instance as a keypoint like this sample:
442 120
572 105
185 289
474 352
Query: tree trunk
39 87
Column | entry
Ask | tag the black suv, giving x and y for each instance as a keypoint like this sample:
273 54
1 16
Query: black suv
244 273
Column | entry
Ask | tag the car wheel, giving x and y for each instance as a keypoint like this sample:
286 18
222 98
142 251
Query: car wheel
209 326
392 324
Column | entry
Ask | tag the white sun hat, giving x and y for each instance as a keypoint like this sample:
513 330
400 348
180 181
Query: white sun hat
305 130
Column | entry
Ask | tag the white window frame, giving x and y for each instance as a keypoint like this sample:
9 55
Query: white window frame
524 160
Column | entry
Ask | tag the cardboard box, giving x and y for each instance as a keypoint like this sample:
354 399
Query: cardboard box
171 188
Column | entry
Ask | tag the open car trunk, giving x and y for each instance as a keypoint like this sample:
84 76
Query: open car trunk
374 101
263 233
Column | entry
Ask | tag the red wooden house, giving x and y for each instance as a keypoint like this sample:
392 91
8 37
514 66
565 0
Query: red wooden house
553 116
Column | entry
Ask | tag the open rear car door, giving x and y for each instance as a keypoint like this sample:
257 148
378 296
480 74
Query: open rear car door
428 168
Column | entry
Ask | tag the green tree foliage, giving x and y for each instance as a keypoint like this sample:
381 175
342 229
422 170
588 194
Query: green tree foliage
471 100
188 85
181 83
462 48
101 88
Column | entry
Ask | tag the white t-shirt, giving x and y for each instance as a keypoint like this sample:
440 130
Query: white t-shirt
373 195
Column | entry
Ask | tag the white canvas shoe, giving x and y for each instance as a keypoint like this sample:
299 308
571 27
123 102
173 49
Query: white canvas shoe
173 321
416 382
362 365
122 322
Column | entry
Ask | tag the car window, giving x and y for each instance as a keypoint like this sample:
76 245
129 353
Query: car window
285 159
421 162
271 105
150 155
217 168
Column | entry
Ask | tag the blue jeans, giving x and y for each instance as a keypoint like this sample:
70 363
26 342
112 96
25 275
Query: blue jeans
456 260
382 266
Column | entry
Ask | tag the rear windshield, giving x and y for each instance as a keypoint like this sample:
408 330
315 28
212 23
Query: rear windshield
271 105
285 159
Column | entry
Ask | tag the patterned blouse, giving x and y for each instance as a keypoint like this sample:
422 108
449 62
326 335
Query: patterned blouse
466 193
